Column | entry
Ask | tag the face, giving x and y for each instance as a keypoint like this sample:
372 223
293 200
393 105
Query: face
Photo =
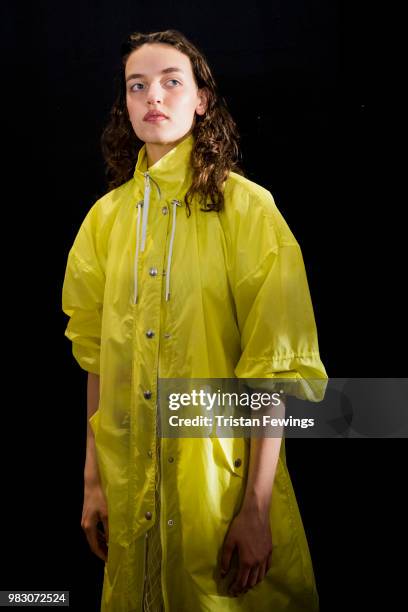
160 78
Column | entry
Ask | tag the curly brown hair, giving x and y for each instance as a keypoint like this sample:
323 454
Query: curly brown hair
216 150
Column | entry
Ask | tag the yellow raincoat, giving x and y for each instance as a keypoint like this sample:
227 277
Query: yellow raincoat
151 292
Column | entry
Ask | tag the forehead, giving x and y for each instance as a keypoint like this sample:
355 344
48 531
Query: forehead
150 59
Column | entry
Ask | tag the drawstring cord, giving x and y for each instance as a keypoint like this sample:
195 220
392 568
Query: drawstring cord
146 203
139 205
141 241
173 231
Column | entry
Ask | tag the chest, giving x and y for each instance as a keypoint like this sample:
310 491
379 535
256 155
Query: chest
183 255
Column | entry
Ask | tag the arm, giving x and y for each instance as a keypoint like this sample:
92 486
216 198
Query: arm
91 472
250 531
263 460
278 337
95 506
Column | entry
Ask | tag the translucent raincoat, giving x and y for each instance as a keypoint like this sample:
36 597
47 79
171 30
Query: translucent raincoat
151 292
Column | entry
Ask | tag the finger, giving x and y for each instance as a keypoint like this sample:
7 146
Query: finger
253 577
105 523
101 537
227 551
96 544
99 548
269 562
262 571
101 551
240 581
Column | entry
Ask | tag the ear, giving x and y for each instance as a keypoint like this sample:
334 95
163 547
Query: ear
201 107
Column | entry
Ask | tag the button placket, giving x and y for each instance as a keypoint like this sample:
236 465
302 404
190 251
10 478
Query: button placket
150 325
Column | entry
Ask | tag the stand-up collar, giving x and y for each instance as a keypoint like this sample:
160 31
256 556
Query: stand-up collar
171 174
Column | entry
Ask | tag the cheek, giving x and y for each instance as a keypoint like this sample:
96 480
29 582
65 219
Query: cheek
133 107
184 101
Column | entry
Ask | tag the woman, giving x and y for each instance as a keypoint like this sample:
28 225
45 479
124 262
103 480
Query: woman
186 269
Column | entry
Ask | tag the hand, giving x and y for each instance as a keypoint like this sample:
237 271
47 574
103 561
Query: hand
95 511
250 534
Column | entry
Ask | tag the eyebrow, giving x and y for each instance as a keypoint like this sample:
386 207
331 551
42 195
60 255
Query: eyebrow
165 71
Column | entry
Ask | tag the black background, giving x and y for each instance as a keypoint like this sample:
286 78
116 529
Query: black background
305 82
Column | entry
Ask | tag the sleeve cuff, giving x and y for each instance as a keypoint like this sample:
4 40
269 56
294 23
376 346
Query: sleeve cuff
88 358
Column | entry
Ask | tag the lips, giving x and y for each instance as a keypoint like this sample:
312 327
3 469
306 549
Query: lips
154 116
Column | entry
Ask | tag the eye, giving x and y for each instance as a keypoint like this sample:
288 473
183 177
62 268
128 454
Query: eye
134 85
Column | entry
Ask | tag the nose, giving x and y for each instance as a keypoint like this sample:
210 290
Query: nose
154 93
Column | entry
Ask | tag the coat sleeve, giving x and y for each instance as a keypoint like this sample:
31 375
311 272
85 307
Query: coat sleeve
82 294
275 313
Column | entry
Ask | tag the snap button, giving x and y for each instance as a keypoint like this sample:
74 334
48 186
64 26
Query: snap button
147 394
237 462
170 522
148 515
150 454
153 271
171 459
167 335
150 333
165 210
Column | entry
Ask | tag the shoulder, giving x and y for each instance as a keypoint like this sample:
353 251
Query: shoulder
101 215
106 208
92 237
252 207
240 192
